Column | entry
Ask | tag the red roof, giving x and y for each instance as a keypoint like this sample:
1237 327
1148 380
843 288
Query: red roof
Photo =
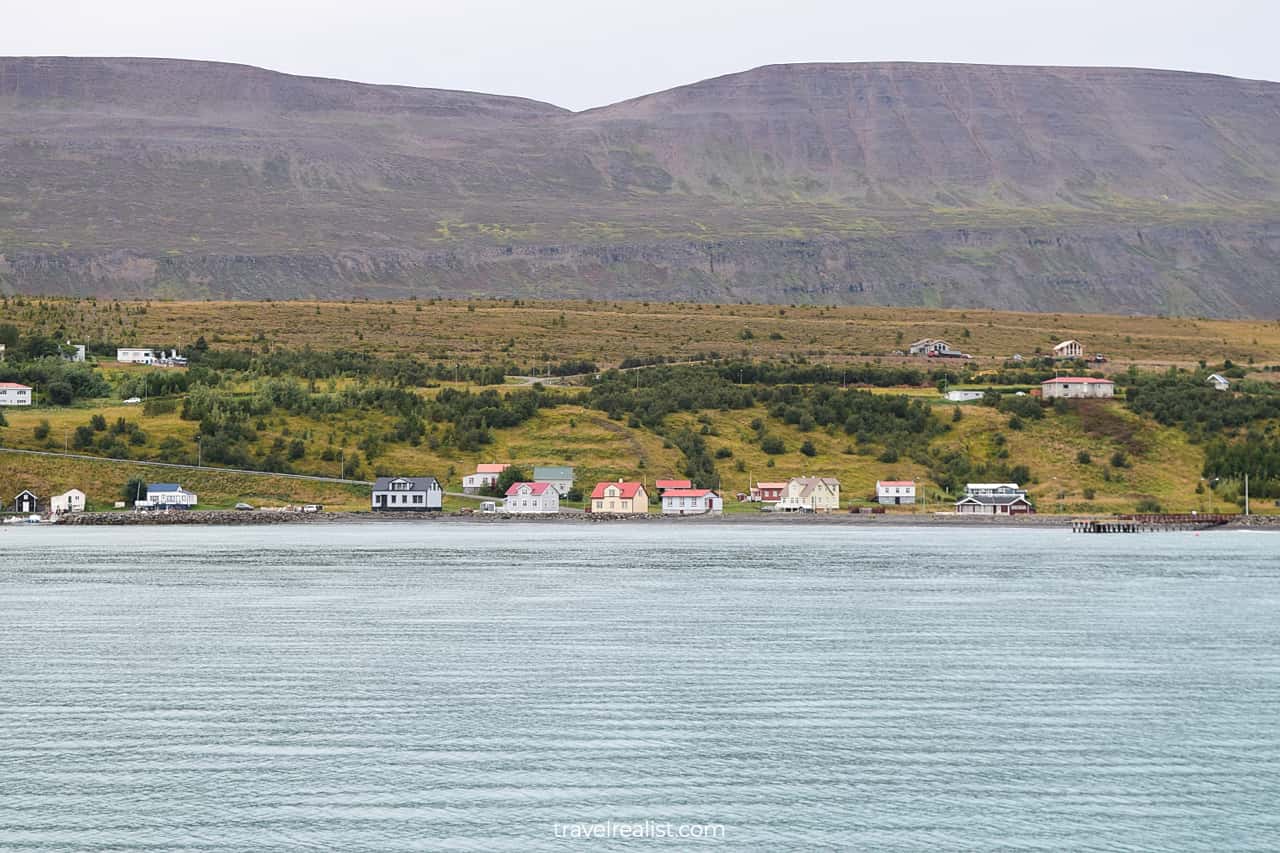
687 493
895 482
625 490
1078 380
673 484
492 467
14 386
534 488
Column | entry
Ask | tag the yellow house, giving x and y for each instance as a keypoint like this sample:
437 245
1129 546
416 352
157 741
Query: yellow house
620 497
811 494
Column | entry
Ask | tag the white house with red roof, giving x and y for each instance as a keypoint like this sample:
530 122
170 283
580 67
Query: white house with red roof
14 394
895 492
1076 387
485 477
621 497
531 498
692 502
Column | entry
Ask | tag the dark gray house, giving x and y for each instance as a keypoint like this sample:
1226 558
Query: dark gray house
25 502
407 494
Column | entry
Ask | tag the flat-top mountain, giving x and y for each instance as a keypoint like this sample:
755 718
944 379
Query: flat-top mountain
890 183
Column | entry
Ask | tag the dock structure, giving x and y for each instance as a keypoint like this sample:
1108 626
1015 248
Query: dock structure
1149 523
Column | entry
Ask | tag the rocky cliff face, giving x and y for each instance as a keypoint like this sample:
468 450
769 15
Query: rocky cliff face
1029 188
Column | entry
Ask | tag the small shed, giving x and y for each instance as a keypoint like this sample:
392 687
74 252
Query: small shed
26 501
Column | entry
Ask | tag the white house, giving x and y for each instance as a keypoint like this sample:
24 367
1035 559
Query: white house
814 494
485 477
1069 349
167 496
74 352
692 502
559 476
1218 381
531 498
1072 387
931 346
72 501
960 396
136 355
407 494
895 491
14 394
994 499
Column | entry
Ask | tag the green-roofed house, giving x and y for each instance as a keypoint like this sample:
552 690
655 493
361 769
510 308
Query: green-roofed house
559 476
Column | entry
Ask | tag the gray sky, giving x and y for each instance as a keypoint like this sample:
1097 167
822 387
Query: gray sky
582 53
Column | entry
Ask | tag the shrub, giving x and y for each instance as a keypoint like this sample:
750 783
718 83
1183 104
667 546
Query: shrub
1149 505
1089 494
1084 458
724 453
60 394
772 445
41 430
808 449
1119 459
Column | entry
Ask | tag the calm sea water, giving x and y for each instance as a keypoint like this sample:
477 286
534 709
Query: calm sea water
467 687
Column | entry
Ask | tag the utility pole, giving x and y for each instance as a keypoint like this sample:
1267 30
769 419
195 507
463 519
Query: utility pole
1246 493
199 451
341 464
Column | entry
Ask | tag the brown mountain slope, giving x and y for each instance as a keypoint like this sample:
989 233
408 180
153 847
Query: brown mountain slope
1040 188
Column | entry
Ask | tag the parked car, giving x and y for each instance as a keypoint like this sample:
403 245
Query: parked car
132 401
244 506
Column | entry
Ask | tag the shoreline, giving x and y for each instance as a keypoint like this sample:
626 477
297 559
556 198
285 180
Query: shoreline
267 517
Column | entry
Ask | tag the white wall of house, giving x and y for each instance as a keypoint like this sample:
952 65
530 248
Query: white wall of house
406 494
170 497
820 494
13 394
895 493
965 396
131 355
707 504
1097 389
71 501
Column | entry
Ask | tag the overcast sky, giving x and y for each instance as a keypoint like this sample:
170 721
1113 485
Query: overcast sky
582 53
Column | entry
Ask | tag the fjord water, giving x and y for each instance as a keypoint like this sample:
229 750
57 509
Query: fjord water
479 687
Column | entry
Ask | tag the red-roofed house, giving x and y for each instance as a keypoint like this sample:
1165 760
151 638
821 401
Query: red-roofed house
663 485
895 491
14 394
692 502
769 493
620 497
1077 386
485 477
532 497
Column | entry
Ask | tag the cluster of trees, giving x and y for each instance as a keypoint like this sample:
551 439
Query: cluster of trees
1187 402
111 440
61 382
312 364
1258 455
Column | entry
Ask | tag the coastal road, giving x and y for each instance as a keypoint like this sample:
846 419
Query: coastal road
180 466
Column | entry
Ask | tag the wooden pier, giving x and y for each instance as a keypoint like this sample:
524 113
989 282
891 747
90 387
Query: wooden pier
1150 523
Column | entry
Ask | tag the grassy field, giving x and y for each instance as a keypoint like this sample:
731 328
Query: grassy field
1162 465
608 332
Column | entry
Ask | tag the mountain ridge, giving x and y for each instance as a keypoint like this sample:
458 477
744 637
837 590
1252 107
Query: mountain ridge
884 183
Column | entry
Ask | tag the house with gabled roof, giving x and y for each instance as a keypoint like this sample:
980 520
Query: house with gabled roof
769 493
15 394
524 498
811 494
994 499
895 492
1077 387
663 485
407 494
1218 381
1069 349
167 496
26 501
622 497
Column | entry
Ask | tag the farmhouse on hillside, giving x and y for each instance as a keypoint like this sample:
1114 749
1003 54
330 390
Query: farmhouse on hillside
70 501
688 501
559 476
407 494
531 498
811 494
965 396
136 355
26 501
14 394
1072 387
621 497
167 496
1218 381
1069 349
932 347
895 492
994 499
485 477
